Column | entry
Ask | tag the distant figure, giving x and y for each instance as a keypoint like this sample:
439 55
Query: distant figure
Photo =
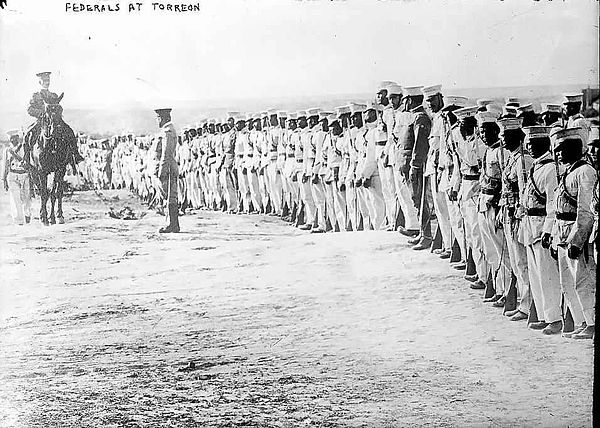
36 109
168 170
16 179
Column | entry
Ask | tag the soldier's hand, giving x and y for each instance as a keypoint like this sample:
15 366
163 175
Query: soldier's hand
554 253
546 240
304 178
5 181
453 195
244 171
573 252
342 187
366 183
359 182
315 179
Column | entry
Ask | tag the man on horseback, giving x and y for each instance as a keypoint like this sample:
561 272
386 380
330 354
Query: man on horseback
36 109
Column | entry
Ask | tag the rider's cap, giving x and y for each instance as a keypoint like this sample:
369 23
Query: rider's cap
43 74
163 111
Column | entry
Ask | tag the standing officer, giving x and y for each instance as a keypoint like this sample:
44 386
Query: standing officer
16 179
167 167
572 229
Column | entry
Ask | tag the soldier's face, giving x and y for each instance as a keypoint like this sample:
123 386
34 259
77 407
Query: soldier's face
489 134
370 116
231 122
292 124
336 129
572 108
357 120
282 122
240 125
382 97
537 146
435 103
396 100
324 125
313 120
45 82
302 122
273 120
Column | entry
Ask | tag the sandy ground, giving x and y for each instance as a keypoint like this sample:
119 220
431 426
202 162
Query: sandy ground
101 318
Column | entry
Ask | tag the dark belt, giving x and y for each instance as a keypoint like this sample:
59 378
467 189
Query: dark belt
290 156
249 156
491 192
381 143
566 216
299 160
473 177
536 212
18 171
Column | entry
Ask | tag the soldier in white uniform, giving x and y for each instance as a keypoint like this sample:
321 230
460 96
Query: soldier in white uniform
572 229
312 164
513 183
494 241
367 174
465 182
303 157
539 209
15 176
434 99
386 172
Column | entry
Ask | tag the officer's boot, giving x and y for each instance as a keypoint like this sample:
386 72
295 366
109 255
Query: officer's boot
173 226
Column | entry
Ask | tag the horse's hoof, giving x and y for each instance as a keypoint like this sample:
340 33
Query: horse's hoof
61 220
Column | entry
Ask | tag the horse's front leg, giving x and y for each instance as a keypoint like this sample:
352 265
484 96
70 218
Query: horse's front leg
43 180
59 182
52 218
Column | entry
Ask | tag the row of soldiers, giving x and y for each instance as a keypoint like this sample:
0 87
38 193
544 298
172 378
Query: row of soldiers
514 191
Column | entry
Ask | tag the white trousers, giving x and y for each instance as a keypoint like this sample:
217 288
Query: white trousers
545 283
404 196
496 251
20 196
578 283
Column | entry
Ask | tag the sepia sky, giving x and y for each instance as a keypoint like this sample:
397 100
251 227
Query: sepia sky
256 48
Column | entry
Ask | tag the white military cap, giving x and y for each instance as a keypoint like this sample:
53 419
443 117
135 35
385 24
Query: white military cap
332 118
484 102
263 114
559 136
312 112
232 113
324 115
357 108
271 112
510 123
211 121
43 74
537 131
430 91
573 98
342 110
301 113
185 128
384 85
525 108
512 100
282 113
486 117
394 89
509 110
551 108
454 100
12 132
463 113
412 91
292 115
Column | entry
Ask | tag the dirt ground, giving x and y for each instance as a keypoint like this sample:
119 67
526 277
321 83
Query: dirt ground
246 321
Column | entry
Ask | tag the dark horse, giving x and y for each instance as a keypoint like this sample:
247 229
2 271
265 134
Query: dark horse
50 153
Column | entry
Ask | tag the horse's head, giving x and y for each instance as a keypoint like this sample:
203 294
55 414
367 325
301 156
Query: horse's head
52 115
